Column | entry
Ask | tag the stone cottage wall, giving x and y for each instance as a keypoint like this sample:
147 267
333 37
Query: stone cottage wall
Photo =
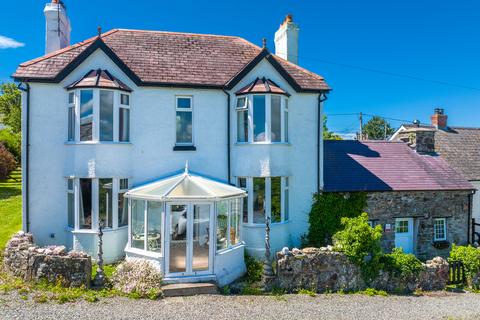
322 269
424 207
23 259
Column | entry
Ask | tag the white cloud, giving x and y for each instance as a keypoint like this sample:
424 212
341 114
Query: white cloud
6 43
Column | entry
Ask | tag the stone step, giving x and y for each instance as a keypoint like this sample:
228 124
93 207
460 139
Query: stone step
189 289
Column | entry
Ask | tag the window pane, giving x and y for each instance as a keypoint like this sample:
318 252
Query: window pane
125 99
105 202
241 102
242 126
276 119
184 127
70 183
138 224
439 229
123 184
85 196
201 243
86 115
401 226
124 125
184 103
122 210
222 225
286 202
106 115
235 221
258 200
285 119
276 201
71 124
259 117
71 96
71 209
154 223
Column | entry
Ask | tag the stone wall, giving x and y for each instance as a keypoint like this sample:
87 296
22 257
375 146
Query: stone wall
322 269
424 207
23 259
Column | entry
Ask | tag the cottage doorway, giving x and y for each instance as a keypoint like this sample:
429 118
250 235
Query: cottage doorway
189 250
404 234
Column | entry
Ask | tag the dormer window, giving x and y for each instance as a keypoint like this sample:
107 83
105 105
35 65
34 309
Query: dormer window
262 113
100 105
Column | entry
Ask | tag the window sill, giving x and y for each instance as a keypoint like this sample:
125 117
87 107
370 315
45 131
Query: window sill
184 148
145 253
230 249
97 143
262 225
262 143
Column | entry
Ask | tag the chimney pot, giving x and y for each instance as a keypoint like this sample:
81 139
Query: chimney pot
286 40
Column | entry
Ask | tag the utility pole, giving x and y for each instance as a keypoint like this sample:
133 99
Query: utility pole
361 126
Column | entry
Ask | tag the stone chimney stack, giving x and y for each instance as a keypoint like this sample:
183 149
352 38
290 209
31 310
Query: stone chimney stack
57 33
286 40
439 119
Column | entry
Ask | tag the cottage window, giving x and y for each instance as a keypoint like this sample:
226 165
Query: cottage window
228 223
440 229
267 197
269 115
184 120
103 115
98 200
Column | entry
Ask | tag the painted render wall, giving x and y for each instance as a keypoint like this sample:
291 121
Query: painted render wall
150 155
476 201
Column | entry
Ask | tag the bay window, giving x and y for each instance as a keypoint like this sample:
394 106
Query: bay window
184 120
228 223
267 197
262 118
91 200
102 115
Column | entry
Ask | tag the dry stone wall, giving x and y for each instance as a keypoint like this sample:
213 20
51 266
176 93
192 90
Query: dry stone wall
23 259
322 269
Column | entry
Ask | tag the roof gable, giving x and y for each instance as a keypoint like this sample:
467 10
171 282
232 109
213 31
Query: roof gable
153 58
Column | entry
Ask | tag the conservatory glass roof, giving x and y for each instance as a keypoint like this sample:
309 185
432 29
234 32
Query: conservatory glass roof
185 186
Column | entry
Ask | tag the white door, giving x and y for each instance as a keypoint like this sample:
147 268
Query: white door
404 234
189 250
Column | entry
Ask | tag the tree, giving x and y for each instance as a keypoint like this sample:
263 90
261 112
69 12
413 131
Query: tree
11 107
377 128
327 134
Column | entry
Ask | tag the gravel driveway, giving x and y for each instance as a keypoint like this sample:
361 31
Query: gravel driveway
440 305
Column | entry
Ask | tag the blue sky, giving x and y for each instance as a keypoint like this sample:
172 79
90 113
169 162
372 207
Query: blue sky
434 40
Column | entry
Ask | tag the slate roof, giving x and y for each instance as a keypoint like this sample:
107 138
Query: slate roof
170 58
99 79
460 147
385 166
261 85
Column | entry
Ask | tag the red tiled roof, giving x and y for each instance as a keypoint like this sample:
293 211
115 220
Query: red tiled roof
386 166
99 79
166 58
261 85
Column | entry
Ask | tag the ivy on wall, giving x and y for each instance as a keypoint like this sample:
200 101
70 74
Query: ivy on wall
327 211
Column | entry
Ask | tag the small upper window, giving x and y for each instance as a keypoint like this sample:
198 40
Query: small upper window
242 103
125 99
440 229
71 97
184 121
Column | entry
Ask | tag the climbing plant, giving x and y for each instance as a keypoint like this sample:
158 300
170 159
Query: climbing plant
327 211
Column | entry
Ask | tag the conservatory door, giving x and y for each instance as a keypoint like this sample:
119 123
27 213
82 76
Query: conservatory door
189 250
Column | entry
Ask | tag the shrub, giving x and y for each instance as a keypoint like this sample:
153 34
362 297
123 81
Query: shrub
358 240
469 256
401 264
7 162
13 142
254 269
326 213
138 278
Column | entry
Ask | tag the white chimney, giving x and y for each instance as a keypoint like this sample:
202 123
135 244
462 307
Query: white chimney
286 40
57 33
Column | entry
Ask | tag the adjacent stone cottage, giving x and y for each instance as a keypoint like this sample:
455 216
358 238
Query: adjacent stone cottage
422 204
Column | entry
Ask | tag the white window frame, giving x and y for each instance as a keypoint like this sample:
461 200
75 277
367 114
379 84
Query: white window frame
71 121
96 115
435 237
177 109
240 110
95 202
229 213
268 118
268 196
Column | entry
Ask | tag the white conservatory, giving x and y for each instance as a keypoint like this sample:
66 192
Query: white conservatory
189 226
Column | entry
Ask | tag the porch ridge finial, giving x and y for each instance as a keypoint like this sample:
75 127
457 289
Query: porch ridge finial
186 167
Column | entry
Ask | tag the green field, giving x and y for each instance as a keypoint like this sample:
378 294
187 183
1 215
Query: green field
10 207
